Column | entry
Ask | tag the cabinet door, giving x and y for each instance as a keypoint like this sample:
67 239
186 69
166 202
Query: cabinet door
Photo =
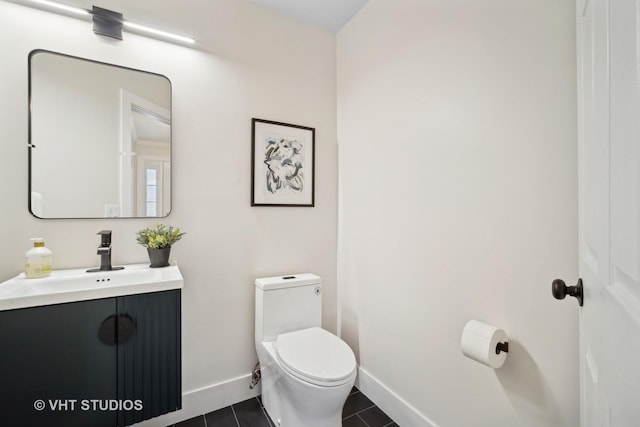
52 356
149 364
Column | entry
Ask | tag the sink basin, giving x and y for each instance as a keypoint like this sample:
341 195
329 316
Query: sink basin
78 285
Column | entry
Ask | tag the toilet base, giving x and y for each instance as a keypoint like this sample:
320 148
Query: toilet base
291 402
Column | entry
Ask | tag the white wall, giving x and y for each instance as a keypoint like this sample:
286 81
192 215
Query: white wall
247 65
458 201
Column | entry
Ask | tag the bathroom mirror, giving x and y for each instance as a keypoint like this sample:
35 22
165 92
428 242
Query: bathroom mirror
99 139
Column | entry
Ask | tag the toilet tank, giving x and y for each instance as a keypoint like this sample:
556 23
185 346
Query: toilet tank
287 303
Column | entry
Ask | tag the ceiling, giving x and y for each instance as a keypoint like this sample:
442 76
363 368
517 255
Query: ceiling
213 22
175 15
331 15
149 128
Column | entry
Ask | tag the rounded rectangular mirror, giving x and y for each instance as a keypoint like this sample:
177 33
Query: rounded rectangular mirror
99 139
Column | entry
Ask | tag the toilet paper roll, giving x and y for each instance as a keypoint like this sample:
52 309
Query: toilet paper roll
479 342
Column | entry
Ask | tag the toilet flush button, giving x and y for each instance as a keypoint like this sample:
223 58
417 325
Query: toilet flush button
317 290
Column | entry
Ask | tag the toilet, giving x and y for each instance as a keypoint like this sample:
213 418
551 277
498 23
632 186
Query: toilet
307 372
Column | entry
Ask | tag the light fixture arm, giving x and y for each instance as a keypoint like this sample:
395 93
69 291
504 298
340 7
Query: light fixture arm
107 22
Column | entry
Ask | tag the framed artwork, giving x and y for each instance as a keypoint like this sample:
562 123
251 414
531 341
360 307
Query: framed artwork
282 164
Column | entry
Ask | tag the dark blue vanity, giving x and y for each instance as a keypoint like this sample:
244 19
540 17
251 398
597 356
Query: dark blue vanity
110 361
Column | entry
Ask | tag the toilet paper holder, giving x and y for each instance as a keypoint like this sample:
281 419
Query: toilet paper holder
502 346
484 343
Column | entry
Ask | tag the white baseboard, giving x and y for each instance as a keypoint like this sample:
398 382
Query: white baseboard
205 400
393 405
216 396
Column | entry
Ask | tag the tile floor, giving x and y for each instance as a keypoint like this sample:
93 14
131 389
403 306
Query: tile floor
358 411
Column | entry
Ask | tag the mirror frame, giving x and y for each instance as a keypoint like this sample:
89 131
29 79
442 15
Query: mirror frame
31 146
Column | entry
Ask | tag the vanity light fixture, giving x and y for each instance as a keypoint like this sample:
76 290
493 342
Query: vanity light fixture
107 22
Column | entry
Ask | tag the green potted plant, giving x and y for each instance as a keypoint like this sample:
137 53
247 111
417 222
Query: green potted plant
158 242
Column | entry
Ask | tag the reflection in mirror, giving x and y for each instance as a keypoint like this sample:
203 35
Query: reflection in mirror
100 139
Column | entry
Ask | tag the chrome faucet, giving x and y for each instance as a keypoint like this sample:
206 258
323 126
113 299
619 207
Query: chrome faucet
104 250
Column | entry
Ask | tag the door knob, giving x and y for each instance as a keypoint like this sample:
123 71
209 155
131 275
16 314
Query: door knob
560 290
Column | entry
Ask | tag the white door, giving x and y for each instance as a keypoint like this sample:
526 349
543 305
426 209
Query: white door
608 33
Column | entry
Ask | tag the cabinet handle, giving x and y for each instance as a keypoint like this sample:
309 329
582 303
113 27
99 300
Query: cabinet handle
126 328
116 329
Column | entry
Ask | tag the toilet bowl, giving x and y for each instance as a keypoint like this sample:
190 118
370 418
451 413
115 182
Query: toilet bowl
307 372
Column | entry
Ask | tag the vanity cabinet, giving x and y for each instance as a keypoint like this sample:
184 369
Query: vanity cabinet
105 362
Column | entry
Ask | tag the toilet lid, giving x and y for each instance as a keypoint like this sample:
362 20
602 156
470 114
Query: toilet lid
316 355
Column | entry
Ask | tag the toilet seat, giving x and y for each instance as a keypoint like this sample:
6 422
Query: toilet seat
316 356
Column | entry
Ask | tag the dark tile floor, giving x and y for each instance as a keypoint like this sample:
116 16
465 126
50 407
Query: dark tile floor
358 411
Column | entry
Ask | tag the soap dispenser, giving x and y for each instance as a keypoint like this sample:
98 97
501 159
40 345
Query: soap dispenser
37 262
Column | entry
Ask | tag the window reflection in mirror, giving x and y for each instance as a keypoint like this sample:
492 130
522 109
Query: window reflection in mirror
100 139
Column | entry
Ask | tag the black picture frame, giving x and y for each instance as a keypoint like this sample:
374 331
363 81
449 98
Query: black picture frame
282 164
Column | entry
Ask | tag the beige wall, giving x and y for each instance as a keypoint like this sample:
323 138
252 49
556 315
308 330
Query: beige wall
457 190
458 201
242 69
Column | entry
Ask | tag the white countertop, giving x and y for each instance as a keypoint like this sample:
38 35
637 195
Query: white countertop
77 285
